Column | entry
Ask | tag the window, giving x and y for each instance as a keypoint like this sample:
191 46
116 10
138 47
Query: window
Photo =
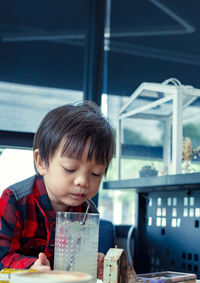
15 165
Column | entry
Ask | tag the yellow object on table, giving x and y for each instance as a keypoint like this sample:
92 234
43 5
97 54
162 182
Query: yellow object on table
5 273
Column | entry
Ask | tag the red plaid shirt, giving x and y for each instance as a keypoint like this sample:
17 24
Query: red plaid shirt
27 224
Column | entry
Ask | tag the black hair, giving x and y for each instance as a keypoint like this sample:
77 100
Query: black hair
71 126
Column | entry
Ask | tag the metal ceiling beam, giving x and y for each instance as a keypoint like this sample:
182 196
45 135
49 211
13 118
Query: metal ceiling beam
183 28
16 139
94 51
157 53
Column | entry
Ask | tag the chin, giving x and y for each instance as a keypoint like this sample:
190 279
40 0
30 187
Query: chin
74 203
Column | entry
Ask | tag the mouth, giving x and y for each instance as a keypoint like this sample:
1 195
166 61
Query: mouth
78 196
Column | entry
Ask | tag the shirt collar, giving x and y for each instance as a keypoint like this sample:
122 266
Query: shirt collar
43 199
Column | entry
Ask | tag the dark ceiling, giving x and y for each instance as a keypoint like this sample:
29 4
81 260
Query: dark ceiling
42 43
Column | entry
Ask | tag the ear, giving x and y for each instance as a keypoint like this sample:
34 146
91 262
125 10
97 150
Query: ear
39 162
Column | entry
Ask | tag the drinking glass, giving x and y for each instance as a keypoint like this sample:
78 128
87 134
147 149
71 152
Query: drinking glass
76 242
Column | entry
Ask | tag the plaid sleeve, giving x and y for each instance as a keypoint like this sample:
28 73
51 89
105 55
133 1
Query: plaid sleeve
10 233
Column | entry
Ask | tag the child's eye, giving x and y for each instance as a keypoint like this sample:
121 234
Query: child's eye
96 175
69 170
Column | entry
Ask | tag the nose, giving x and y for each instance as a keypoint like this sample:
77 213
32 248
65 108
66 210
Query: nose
81 180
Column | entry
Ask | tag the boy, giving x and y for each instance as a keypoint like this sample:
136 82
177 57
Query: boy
72 147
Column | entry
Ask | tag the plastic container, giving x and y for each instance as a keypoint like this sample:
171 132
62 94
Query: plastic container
167 277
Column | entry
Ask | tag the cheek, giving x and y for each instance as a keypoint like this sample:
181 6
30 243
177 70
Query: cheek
95 186
59 185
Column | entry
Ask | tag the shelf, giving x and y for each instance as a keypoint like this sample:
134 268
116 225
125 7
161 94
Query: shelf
156 184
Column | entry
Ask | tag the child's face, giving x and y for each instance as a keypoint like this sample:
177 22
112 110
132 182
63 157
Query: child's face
70 181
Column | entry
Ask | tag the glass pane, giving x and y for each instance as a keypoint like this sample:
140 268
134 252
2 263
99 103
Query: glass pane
118 206
15 165
42 59
23 107
150 41
191 138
